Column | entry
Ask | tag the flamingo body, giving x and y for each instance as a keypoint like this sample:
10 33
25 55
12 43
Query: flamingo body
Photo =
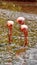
24 29
9 23
20 20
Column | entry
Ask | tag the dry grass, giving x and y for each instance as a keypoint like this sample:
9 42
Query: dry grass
20 6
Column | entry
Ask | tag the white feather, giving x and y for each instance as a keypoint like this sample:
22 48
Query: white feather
24 26
21 18
10 22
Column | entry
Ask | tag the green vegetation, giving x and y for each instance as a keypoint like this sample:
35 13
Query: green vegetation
10 6
17 6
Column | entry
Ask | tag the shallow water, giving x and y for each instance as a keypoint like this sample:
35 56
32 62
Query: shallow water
8 55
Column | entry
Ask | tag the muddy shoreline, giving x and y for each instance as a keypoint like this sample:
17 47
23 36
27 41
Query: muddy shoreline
4 13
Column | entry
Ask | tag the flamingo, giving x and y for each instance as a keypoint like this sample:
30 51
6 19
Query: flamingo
24 29
20 20
10 25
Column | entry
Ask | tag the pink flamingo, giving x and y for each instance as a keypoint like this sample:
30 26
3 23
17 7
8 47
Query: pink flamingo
24 29
20 20
10 25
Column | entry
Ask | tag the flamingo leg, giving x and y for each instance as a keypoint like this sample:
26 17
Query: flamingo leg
26 38
10 35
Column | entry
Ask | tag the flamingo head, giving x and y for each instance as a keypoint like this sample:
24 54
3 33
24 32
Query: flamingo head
20 20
